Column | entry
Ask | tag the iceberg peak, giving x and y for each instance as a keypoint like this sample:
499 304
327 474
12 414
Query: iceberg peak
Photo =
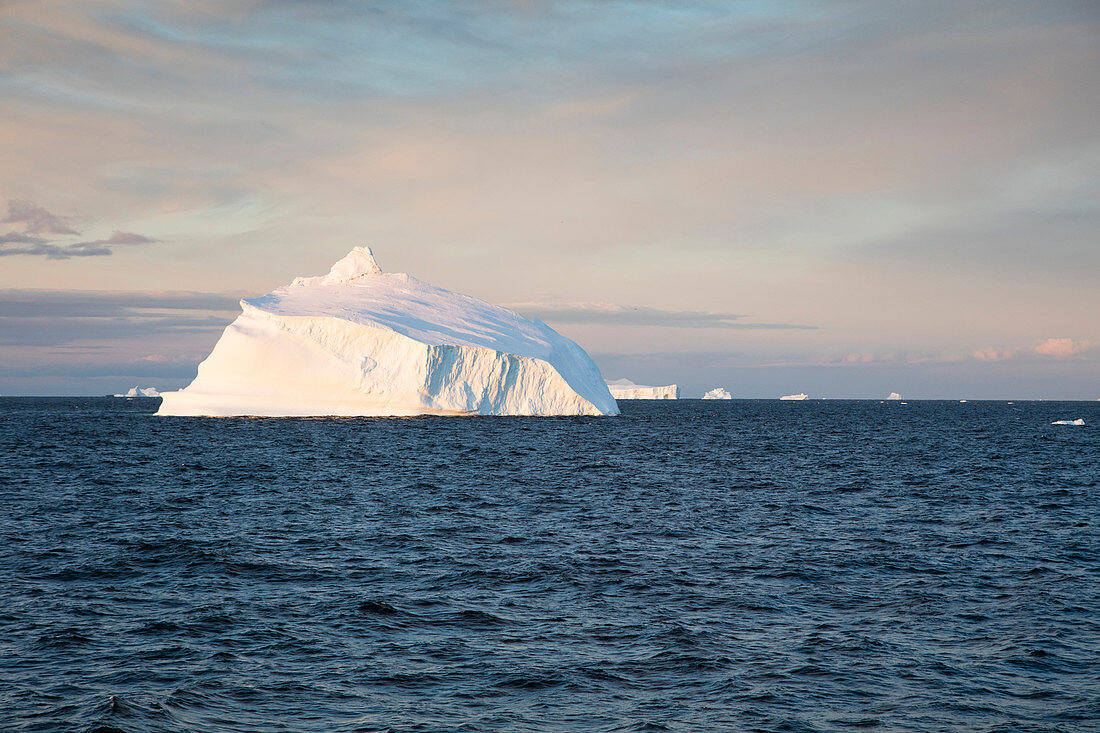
354 265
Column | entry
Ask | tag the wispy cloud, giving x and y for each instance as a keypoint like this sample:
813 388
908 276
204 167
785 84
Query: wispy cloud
610 314
54 251
20 238
23 303
36 221
60 317
118 238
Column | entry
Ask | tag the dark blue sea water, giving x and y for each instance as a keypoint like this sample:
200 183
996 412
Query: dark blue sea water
689 566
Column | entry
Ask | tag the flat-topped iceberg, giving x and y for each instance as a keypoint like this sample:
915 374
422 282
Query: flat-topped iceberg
718 393
361 342
624 389
795 397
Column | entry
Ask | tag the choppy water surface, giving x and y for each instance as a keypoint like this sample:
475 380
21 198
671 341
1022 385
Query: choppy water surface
689 565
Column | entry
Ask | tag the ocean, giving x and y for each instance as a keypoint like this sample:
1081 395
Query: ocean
687 566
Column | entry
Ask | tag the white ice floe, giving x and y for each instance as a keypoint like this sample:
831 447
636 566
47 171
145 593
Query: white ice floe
718 393
140 392
1078 421
358 341
624 389
894 396
799 396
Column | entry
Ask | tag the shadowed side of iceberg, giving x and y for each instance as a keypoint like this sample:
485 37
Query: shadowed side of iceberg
285 366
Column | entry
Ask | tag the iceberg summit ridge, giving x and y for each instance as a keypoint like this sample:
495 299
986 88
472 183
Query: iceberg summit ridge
361 342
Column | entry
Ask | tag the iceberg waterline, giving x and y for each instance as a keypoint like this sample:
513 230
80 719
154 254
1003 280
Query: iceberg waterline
360 342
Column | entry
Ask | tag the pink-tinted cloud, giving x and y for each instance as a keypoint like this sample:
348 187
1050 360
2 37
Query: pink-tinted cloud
1062 348
990 353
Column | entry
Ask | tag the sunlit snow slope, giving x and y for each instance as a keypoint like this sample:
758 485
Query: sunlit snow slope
362 342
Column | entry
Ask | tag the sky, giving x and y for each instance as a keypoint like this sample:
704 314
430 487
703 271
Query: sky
844 198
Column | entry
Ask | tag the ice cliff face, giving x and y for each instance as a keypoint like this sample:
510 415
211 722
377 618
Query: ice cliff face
358 341
624 389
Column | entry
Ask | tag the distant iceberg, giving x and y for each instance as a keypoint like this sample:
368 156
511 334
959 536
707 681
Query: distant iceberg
624 389
794 397
894 396
1078 421
141 392
718 393
360 342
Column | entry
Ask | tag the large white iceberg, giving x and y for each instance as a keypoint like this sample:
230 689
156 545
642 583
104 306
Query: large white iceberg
624 389
360 342
795 397
718 393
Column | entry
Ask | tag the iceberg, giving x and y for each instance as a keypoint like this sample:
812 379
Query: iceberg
140 392
624 389
360 342
894 396
1078 421
799 396
718 393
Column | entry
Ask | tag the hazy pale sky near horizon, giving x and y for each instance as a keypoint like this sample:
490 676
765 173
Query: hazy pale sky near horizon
844 198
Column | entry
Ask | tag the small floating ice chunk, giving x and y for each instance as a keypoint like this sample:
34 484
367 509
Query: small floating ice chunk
718 393
1078 421
799 396
894 396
